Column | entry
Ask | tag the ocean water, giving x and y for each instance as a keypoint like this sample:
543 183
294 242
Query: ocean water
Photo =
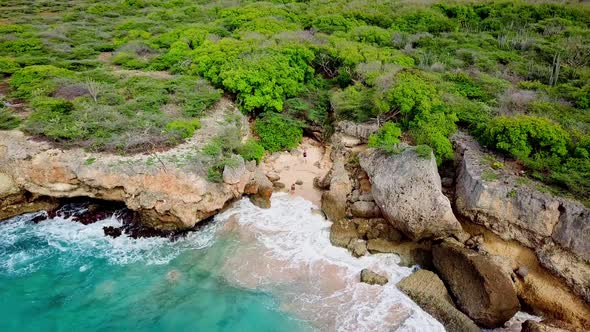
250 269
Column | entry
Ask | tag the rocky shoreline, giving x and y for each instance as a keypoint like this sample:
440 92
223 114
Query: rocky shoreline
487 241
482 267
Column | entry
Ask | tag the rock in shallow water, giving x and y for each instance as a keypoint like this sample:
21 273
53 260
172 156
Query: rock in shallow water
426 289
342 232
482 289
372 278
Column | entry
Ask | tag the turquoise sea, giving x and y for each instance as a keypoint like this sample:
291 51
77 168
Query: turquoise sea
248 270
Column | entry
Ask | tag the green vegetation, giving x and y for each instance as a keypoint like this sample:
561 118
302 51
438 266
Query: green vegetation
386 138
251 150
278 132
132 75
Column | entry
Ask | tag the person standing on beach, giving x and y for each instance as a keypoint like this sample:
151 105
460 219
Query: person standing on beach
305 155
292 189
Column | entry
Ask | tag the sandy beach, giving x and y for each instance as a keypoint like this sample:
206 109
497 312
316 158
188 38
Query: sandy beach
292 166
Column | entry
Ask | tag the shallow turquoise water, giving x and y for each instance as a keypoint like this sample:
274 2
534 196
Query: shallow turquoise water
59 275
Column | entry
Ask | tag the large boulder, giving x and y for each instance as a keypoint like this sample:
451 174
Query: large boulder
429 292
260 189
482 289
334 201
407 188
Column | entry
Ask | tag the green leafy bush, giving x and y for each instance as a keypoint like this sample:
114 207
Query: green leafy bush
185 128
8 66
8 120
278 132
251 150
525 136
386 138
32 78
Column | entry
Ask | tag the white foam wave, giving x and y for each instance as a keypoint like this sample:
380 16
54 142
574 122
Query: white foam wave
286 250
24 245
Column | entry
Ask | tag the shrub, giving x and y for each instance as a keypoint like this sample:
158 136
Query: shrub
53 118
278 132
8 120
251 150
185 128
31 78
8 66
525 136
386 138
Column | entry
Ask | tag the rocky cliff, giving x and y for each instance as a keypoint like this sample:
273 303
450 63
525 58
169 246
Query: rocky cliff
169 189
514 208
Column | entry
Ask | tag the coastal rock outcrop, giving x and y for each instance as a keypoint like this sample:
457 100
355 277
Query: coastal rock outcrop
334 200
481 287
169 189
426 289
407 189
372 278
513 208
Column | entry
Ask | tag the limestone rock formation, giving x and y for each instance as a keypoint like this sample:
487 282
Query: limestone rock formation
364 209
429 292
342 232
514 211
482 289
361 131
260 189
372 278
232 174
557 228
575 271
167 188
334 200
407 188
546 326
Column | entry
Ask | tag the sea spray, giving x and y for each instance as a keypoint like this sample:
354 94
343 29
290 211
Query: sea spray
285 250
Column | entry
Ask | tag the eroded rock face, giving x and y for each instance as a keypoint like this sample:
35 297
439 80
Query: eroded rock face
407 189
575 271
557 228
482 288
169 193
360 131
334 200
426 289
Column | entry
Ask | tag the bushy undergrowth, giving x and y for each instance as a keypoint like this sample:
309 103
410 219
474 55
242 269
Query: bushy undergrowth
86 68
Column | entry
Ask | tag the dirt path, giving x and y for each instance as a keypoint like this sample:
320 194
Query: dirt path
292 166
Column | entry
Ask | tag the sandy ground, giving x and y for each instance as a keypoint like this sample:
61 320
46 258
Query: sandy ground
291 166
